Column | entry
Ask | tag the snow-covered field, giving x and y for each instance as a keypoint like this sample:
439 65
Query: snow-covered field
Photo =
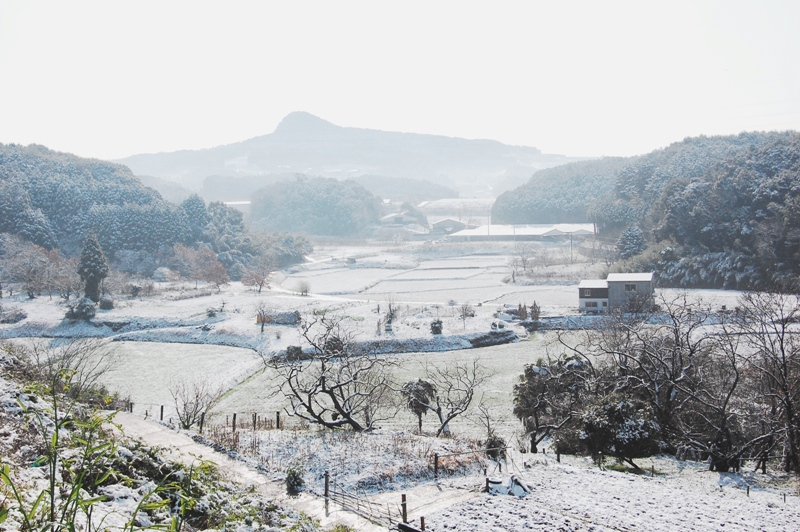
576 495
170 336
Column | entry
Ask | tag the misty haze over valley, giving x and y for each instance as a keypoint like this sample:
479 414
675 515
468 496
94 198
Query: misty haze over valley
359 266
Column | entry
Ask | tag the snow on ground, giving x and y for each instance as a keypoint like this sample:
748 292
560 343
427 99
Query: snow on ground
425 283
576 495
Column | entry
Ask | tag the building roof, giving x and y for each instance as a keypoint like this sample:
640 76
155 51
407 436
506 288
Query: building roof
528 230
630 277
593 283
445 221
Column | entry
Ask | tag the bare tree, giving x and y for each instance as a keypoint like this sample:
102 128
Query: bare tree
201 264
65 279
27 264
303 287
263 315
193 400
258 273
83 361
769 326
454 389
340 384
465 311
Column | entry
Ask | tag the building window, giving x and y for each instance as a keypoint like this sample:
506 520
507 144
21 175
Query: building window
587 292
630 288
591 304
605 303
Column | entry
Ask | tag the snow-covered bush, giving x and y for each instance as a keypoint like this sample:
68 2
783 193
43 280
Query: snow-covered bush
106 303
496 448
294 479
621 427
11 314
83 309
163 275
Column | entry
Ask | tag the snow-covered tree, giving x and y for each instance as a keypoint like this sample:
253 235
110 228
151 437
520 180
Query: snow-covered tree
33 225
197 217
419 395
620 426
631 242
93 267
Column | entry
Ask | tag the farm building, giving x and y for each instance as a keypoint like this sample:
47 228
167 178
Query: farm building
616 291
399 218
448 226
497 232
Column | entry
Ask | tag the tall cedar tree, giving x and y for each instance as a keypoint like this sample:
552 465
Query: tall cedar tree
93 267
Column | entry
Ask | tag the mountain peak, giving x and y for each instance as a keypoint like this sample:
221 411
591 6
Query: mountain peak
302 122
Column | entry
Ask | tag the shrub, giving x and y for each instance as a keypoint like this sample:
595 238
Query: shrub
12 314
620 427
436 326
82 310
294 479
163 275
106 303
496 448
294 352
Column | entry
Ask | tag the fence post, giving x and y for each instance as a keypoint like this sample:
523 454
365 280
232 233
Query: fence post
131 408
254 421
422 522
162 413
278 420
234 422
202 418
404 506
558 456
436 466
327 493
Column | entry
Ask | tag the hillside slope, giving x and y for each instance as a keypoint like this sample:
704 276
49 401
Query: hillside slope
716 212
303 143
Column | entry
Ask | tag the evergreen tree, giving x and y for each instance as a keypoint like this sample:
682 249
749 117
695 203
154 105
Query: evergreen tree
33 225
93 267
631 243
197 217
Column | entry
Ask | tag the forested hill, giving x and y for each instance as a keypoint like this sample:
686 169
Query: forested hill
714 211
52 199
562 194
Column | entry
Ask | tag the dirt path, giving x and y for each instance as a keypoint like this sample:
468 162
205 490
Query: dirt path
424 499
180 447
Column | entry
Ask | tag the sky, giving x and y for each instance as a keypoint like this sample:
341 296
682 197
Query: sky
580 78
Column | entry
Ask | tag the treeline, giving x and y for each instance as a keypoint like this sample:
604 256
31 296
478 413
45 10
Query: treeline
53 200
720 387
317 206
712 211
562 194
400 189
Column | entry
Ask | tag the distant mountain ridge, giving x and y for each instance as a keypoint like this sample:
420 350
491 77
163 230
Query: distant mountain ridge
303 143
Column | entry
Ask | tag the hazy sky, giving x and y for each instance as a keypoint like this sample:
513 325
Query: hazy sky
111 79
